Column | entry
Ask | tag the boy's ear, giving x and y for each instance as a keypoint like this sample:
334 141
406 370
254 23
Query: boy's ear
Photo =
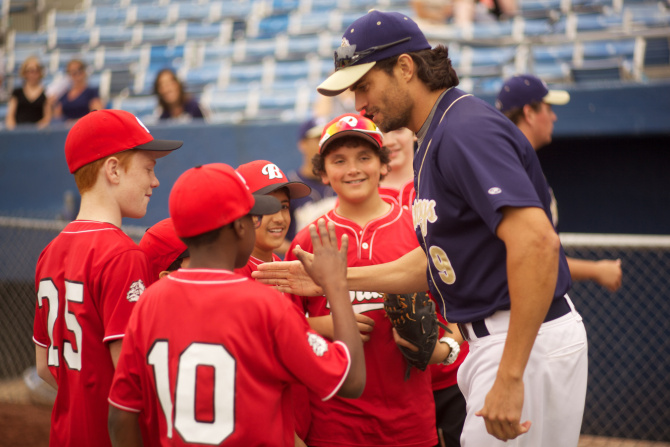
324 179
238 228
111 169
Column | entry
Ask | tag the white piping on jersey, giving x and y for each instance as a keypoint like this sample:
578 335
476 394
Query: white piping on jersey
92 231
365 228
418 187
344 376
216 281
123 407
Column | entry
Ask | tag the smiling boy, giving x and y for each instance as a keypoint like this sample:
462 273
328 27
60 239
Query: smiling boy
391 411
264 177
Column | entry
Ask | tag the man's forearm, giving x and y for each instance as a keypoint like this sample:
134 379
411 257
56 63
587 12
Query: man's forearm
404 275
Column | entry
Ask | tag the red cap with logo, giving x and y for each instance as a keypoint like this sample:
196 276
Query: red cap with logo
263 177
102 133
210 196
162 246
351 124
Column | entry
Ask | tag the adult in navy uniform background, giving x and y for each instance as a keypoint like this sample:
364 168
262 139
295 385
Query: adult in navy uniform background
489 252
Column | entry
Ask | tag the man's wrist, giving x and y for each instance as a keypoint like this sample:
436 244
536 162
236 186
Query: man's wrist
454 351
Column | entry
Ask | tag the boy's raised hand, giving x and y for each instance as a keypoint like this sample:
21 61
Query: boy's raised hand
328 263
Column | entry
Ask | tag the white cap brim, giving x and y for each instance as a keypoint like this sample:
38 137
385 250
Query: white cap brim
343 79
557 97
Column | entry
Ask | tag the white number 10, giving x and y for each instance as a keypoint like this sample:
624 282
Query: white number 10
185 422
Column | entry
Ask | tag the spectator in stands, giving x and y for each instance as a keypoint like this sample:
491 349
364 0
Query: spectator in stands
463 12
79 99
527 101
173 101
28 103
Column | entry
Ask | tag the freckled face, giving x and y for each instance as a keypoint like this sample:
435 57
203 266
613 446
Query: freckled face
137 184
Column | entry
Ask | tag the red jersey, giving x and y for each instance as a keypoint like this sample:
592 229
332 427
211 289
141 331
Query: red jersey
87 280
298 391
404 196
391 411
252 265
211 354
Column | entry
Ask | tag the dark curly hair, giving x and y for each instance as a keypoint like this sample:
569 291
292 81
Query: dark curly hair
433 67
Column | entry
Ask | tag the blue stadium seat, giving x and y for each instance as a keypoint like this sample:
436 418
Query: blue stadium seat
111 36
27 40
604 49
245 73
140 106
254 49
116 58
309 23
597 71
70 38
148 13
192 12
67 19
552 53
271 26
657 51
197 78
156 35
109 16
165 55
291 70
221 32
235 9
297 47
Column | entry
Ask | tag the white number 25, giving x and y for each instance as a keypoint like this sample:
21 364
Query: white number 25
74 292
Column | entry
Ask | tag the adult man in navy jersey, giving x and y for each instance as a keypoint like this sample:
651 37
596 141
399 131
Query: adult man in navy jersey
494 261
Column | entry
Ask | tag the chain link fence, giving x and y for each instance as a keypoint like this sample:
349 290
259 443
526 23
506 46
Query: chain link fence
629 331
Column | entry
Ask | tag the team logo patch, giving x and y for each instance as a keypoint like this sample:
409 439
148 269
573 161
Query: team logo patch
135 291
272 171
495 190
318 344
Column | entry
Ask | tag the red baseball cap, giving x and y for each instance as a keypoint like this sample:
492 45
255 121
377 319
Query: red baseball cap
162 246
102 133
210 196
263 177
352 124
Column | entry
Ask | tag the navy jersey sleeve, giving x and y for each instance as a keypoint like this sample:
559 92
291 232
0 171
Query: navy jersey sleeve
485 160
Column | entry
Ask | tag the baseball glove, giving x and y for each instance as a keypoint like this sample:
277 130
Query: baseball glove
413 316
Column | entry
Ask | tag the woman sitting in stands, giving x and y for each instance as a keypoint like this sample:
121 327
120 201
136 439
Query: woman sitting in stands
29 104
173 101
79 98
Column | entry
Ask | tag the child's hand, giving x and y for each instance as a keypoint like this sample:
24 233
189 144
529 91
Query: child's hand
328 264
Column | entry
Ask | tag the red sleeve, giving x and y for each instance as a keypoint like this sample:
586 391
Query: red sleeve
319 364
126 390
122 282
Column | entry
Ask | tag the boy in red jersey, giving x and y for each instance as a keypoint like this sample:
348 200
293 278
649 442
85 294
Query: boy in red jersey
164 250
265 177
210 353
391 411
90 276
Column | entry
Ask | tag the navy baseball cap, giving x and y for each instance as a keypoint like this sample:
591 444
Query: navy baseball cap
520 90
371 38
310 129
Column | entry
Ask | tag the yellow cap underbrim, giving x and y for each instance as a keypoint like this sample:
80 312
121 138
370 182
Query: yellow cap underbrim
343 79
557 97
